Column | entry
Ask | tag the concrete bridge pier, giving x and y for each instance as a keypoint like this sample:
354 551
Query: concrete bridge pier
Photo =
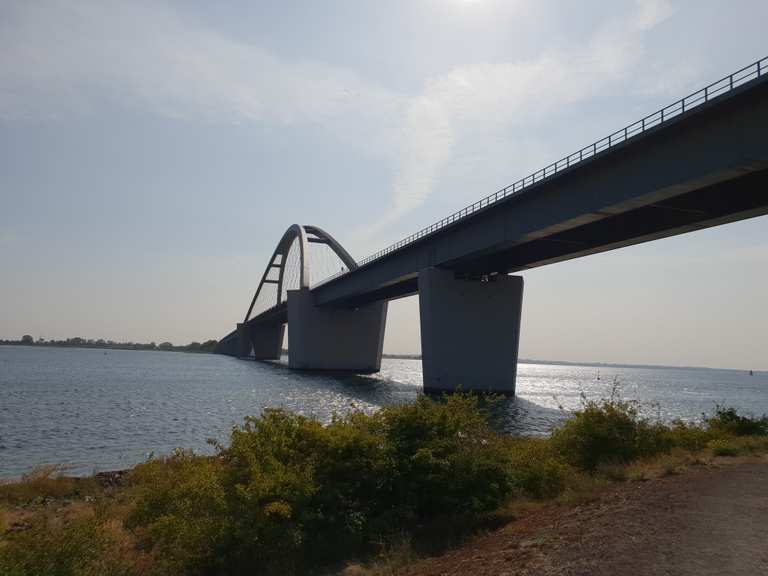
229 346
325 338
242 345
470 331
267 340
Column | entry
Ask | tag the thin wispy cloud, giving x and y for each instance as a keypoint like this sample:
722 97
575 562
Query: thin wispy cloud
485 100
59 58
148 56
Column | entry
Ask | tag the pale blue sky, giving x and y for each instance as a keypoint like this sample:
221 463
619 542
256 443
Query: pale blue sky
152 153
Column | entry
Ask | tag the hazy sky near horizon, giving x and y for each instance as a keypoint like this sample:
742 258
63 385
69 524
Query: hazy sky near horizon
152 154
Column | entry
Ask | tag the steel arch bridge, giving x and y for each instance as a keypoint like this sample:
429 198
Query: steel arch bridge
299 238
701 161
294 265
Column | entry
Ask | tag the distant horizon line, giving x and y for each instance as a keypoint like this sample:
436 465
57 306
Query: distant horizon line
414 356
630 365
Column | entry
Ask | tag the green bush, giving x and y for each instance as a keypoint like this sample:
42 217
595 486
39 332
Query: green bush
289 493
729 422
179 511
536 469
444 459
608 432
688 436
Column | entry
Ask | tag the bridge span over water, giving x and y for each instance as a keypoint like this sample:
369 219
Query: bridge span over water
699 162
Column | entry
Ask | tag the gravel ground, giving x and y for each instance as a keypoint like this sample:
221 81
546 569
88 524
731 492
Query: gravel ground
704 521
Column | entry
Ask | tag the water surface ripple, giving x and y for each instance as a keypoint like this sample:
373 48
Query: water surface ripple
91 410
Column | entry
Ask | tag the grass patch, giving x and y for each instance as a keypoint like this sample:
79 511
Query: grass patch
46 482
85 545
738 445
724 447
668 464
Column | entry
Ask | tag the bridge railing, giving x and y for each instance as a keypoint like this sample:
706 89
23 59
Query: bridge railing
709 92
662 116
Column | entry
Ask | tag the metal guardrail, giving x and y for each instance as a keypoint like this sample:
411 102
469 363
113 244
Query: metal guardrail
722 86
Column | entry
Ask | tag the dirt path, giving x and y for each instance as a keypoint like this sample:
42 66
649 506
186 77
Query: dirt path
705 521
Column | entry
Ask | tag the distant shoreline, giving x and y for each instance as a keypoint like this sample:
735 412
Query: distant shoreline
160 348
623 365
86 346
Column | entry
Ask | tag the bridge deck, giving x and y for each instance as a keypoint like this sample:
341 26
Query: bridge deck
707 166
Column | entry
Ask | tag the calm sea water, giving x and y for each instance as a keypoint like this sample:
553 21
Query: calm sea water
91 410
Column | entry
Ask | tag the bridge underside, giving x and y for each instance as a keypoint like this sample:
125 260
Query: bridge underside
730 201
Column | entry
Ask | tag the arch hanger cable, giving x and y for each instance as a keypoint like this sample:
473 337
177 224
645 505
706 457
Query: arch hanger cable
304 256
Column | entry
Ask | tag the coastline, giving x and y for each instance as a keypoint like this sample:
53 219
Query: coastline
126 347
426 489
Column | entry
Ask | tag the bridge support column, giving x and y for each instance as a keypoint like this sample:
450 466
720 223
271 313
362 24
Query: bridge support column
243 341
267 340
324 338
470 331
229 346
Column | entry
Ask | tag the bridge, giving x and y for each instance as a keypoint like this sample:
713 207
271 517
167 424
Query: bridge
702 161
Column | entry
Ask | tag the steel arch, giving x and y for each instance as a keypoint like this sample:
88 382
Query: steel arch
304 234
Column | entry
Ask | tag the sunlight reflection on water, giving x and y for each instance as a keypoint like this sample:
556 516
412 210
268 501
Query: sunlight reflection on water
99 410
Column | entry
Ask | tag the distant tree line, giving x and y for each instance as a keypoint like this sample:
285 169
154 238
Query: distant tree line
77 342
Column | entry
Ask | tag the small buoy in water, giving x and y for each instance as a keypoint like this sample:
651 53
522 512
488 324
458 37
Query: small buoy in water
751 373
